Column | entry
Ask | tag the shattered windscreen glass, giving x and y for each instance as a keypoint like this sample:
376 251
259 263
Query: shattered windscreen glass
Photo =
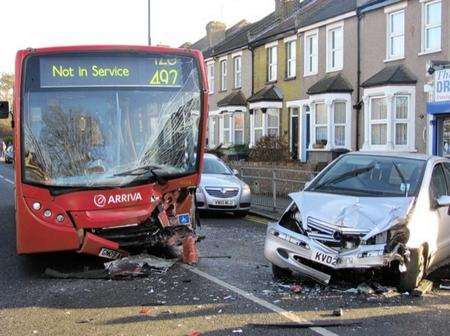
372 176
105 119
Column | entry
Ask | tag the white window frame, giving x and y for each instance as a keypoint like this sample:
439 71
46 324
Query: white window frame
390 93
277 115
291 59
311 55
426 26
259 128
330 51
316 125
227 141
211 69
329 100
272 63
373 122
223 74
401 120
235 129
237 65
390 35
335 124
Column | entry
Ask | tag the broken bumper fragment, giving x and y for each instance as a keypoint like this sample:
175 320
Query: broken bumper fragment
299 253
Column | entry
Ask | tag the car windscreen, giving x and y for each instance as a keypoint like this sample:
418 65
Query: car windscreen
370 175
214 166
88 119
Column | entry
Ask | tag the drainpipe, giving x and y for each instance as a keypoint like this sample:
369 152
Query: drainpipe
358 74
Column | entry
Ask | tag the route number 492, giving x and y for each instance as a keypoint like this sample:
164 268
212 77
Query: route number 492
164 77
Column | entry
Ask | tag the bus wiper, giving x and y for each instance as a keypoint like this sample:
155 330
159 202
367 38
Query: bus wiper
345 176
142 170
402 177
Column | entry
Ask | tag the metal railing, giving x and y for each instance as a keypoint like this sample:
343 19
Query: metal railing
271 186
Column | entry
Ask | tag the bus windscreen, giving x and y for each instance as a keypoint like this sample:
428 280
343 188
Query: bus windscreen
109 119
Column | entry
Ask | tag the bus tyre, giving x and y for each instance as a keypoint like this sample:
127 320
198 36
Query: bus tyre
280 273
415 270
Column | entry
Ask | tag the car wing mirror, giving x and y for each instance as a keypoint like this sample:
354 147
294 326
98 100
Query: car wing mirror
443 201
4 110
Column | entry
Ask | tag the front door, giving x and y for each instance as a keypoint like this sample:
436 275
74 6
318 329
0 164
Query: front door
294 134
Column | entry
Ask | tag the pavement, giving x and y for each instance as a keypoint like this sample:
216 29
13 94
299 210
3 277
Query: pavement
229 292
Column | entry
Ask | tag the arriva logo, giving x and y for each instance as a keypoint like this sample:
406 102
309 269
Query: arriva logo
101 200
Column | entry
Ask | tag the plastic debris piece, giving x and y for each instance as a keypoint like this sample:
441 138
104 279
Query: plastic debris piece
445 287
140 265
237 331
351 291
424 287
338 312
365 289
194 333
190 253
146 310
295 288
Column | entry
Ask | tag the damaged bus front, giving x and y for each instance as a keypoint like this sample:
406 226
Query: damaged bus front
361 212
108 147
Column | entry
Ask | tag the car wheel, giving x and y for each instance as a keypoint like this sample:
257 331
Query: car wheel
241 213
415 270
280 273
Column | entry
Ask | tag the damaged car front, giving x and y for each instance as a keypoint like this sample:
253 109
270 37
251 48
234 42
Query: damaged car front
353 215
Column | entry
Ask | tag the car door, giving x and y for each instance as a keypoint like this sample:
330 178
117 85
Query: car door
440 186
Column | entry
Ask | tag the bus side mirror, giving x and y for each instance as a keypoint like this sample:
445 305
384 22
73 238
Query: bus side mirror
4 110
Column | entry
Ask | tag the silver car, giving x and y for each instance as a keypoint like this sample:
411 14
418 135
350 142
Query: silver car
221 190
367 211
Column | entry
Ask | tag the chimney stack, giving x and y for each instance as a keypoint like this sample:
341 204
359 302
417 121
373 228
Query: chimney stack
284 8
215 32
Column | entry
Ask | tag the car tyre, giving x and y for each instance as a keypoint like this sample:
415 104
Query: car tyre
280 273
415 270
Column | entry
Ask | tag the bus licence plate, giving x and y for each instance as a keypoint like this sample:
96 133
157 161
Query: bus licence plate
110 254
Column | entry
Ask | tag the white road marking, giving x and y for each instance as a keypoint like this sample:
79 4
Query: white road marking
7 180
286 314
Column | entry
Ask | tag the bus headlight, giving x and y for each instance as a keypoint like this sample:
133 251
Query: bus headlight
37 206
47 213
60 218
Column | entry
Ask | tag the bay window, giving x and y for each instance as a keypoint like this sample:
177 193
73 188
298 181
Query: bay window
238 128
378 121
258 125
291 59
321 123
431 26
401 120
311 53
396 35
226 129
272 64
339 119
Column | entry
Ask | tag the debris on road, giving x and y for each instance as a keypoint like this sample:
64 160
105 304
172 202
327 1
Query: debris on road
364 288
140 265
338 312
424 287
295 288
194 333
190 252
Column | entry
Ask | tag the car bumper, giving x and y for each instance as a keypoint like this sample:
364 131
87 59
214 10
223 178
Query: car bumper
241 202
290 250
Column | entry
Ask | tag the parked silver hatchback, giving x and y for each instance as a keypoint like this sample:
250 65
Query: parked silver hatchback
367 210
221 190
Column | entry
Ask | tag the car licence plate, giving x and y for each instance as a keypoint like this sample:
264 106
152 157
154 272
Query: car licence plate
110 254
224 202
324 258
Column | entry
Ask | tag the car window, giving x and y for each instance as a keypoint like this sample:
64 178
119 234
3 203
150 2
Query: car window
215 166
447 176
438 185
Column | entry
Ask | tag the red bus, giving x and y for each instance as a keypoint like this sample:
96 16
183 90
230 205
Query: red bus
108 147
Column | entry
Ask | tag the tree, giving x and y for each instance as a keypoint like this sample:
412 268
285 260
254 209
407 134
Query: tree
6 93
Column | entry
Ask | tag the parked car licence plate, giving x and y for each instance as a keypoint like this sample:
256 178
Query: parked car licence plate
224 202
324 258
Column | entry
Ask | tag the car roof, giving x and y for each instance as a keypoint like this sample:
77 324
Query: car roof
404 155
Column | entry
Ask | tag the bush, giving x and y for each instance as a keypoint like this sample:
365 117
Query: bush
270 149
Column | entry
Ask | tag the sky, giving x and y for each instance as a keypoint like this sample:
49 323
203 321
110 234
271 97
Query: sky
40 23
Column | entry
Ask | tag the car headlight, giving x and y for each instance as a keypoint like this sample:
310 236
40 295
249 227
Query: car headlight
378 239
246 188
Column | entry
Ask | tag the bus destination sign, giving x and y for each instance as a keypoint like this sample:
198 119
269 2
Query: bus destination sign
58 72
